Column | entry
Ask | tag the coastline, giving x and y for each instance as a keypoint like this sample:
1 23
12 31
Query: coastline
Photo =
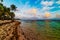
8 29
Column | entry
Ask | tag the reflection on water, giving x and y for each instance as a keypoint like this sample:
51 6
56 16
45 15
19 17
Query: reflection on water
49 29
39 24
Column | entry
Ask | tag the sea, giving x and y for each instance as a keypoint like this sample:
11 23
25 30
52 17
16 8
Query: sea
48 28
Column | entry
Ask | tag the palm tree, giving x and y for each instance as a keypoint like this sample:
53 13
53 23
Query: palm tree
13 7
1 0
8 14
1 4
8 9
12 15
5 13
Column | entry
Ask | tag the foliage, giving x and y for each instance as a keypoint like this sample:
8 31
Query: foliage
5 13
13 7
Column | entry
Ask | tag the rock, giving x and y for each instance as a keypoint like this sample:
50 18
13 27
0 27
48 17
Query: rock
10 30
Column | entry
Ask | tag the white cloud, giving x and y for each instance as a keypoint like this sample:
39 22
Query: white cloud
47 8
46 3
26 11
58 2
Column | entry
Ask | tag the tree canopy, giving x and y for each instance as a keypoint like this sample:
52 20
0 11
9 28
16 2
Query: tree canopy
5 13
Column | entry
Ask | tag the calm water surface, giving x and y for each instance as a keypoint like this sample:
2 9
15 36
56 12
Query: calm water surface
49 29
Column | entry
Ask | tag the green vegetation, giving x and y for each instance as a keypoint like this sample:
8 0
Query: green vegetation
5 12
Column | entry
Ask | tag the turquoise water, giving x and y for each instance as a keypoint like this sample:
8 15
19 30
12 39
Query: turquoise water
54 25
49 29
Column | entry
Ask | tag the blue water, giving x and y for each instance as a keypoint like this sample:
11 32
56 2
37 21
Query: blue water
47 28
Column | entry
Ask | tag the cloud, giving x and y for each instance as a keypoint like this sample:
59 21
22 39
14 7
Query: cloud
47 8
58 2
57 14
47 3
26 11
31 12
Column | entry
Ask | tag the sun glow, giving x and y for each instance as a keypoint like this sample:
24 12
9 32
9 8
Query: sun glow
47 14
34 11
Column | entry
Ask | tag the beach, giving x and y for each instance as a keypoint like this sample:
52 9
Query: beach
29 30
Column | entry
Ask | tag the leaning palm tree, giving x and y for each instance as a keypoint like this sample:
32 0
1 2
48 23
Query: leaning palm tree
1 0
13 7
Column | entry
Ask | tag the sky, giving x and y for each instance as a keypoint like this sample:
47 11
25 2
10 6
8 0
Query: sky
38 9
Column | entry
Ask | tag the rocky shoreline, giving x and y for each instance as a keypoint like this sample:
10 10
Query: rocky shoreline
10 30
